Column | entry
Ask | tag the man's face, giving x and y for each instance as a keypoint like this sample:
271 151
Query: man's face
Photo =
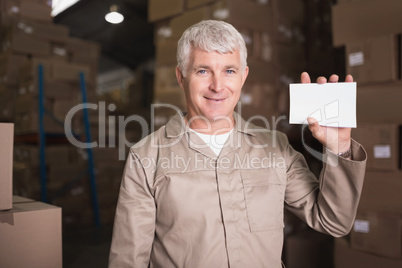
212 84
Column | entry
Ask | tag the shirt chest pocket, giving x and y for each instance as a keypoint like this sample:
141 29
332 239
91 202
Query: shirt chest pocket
264 192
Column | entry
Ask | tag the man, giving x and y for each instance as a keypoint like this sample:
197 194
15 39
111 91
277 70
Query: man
209 189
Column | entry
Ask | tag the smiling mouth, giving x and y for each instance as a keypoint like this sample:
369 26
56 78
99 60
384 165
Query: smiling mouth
214 99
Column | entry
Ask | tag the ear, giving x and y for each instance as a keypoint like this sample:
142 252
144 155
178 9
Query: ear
245 74
179 77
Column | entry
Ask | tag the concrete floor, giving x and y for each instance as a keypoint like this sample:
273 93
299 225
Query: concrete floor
86 247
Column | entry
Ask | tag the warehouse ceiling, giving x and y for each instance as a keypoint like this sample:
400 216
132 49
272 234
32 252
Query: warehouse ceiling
128 44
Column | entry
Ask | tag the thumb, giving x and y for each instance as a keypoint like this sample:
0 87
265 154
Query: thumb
312 121
312 124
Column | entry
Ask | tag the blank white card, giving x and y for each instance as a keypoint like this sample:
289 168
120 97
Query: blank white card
331 104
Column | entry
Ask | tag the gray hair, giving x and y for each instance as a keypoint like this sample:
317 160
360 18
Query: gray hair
210 36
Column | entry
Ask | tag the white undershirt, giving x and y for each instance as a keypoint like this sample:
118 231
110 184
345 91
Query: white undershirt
215 142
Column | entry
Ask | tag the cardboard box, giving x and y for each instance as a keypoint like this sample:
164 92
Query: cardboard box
248 14
29 103
166 53
382 143
6 160
194 3
51 89
56 71
21 199
25 181
260 72
28 123
382 192
16 9
62 107
346 257
70 72
174 97
79 47
290 56
31 236
27 44
374 59
289 17
161 9
360 20
165 78
29 70
379 103
379 233
56 155
258 99
180 23
6 107
44 30
9 67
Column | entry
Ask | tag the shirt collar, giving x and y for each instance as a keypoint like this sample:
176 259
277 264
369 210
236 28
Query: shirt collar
177 126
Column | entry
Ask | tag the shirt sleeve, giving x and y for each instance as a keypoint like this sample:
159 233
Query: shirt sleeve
327 204
134 223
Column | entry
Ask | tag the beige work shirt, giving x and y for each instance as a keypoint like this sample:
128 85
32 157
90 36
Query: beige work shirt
182 206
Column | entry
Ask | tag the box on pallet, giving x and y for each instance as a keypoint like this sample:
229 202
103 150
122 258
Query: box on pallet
382 143
377 232
374 59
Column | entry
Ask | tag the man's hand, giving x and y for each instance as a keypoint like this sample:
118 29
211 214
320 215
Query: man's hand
335 139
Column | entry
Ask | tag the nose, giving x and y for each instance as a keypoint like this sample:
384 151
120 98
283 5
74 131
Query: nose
216 83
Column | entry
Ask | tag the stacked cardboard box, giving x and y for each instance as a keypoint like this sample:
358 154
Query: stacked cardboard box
273 32
29 39
31 235
370 33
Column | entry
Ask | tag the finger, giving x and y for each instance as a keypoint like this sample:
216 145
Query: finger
312 124
305 78
333 78
349 78
321 80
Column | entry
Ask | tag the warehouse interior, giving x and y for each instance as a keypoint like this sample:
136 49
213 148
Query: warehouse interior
58 197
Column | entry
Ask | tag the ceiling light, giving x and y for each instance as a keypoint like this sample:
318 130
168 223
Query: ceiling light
114 16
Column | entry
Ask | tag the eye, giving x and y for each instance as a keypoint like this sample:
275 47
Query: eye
202 71
230 71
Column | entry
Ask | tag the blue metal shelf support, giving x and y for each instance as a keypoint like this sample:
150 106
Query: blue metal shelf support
91 170
42 140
